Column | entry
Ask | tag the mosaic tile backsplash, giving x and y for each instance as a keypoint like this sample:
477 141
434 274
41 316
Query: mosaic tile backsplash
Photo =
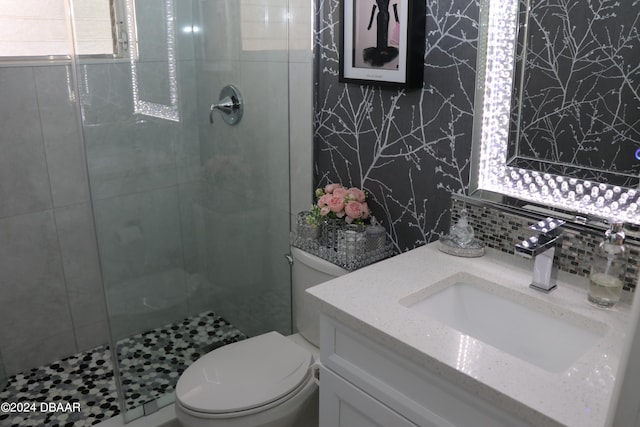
502 230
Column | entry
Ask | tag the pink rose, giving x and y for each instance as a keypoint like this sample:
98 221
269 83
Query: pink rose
336 204
353 210
331 187
324 211
340 192
356 194
324 201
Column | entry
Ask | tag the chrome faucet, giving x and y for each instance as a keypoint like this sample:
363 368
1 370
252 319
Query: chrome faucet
542 248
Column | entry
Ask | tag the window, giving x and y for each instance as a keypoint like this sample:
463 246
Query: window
35 28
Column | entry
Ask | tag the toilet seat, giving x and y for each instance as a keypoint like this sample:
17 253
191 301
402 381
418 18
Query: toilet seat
244 377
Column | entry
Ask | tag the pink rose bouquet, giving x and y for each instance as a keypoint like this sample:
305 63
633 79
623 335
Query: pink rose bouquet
336 201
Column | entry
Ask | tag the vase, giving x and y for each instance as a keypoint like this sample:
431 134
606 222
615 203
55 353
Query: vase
376 238
351 245
329 232
305 229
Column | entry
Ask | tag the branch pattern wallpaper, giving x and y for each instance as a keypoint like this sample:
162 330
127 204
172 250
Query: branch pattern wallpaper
408 149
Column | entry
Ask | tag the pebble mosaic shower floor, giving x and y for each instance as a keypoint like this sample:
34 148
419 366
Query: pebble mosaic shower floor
150 362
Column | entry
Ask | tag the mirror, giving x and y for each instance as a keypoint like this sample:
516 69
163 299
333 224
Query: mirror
491 170
575 105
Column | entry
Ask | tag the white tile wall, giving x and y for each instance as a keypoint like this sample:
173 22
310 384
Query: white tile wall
48 255
259 25
301 100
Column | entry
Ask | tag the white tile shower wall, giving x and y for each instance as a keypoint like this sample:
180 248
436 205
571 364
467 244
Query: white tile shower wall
301 102
263 25
49 275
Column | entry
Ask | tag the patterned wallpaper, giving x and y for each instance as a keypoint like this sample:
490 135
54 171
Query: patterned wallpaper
409 149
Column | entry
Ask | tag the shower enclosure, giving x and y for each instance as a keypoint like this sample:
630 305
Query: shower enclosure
191 217
3 374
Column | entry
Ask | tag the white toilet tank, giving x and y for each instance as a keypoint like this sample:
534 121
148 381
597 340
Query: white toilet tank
309 270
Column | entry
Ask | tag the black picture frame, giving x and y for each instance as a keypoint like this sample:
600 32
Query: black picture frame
379 47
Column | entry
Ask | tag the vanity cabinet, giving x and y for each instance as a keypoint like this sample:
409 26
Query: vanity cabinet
344 405
364 384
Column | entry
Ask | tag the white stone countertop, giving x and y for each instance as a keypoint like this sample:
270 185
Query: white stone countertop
368 301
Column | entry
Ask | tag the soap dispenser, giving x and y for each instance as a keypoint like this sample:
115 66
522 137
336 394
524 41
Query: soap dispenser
608 268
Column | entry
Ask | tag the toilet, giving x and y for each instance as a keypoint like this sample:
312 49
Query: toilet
267 380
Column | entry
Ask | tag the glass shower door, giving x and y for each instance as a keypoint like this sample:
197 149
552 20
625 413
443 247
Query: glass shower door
191 218
244 188
3 374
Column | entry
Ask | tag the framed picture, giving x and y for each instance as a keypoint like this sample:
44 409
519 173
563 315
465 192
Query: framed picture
382 42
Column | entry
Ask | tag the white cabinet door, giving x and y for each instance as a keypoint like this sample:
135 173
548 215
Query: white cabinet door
344 405
423 397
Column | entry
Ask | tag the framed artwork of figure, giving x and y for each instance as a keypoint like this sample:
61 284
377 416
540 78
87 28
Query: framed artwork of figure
382 42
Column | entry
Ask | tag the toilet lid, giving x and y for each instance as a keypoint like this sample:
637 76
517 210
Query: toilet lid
244 375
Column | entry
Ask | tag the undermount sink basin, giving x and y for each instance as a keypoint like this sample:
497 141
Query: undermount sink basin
547 336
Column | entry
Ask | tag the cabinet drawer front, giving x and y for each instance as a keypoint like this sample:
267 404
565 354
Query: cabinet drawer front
344 405
421 396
